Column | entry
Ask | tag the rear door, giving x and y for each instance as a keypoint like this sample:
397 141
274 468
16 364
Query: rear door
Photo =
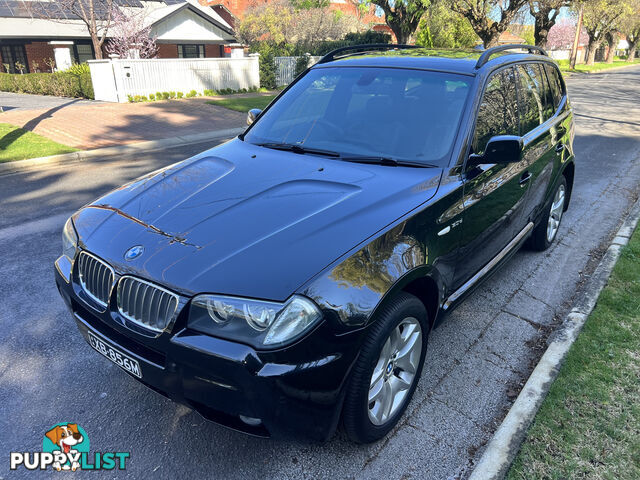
538 132
494 195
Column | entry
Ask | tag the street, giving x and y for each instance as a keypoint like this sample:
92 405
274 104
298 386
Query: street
476 361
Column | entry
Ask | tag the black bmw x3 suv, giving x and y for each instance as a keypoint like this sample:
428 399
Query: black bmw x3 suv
289 278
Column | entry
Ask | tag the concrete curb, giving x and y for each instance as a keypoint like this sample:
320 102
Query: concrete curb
107 152
505 444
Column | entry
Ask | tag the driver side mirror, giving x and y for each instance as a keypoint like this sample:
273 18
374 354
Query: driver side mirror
500 149
252 115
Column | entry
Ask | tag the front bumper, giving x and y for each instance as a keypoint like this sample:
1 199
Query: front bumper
296 392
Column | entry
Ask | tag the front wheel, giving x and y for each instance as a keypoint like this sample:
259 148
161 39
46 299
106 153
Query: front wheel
387 371
547 230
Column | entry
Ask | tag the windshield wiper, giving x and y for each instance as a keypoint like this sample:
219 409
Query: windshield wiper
295 148
381 160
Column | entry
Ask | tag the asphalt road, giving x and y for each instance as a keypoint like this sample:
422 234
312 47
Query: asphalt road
475 364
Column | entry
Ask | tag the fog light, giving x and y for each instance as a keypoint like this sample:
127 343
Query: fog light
254 422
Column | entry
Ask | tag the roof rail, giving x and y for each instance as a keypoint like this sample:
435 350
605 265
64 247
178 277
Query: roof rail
486 55
363 48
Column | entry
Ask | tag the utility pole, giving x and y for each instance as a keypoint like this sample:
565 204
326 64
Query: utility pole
576 40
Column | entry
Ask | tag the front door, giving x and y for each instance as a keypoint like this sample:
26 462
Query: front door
494 195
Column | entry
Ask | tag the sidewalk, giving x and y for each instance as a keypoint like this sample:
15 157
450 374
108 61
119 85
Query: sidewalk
110 124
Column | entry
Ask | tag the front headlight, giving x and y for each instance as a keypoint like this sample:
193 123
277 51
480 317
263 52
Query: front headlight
257 322
69 240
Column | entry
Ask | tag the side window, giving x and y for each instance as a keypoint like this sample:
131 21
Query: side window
533 97
498 114
555 84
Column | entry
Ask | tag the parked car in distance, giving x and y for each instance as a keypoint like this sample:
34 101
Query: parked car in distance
289 279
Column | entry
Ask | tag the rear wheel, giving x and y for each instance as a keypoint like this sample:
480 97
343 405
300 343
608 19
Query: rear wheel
387 370
547 230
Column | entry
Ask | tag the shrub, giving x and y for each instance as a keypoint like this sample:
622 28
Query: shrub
158 95
172 94
61 84
130 98
165 95
152 97
209 93
192 94
79 69
179 94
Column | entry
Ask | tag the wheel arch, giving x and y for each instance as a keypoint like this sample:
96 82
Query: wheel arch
422 282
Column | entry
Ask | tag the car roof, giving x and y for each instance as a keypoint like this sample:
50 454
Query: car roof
443 60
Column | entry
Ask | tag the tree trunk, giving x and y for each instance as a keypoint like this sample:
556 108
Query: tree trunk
611 40
591 54
633 46
489 38
541 27
401 35
97 46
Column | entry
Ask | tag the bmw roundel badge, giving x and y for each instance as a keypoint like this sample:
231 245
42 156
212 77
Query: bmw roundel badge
134 252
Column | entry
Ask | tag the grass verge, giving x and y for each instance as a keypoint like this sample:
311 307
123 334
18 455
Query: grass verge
589 424
19 144
243 104
596 67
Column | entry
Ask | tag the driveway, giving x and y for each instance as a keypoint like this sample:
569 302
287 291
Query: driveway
476 362
88 125
23 101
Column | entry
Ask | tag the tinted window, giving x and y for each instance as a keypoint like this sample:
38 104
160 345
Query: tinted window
403 114
498 114
556 85
535 106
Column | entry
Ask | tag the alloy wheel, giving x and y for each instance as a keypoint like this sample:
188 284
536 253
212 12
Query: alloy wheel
395 371
555 214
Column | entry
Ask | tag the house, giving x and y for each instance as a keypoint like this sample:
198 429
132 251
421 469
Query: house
507 38
183 29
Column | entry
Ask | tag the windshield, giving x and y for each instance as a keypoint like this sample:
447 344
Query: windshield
401 114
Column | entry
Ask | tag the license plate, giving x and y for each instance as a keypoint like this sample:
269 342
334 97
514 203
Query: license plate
116 356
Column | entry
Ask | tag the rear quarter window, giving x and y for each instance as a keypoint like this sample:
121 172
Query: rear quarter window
535 97
555 84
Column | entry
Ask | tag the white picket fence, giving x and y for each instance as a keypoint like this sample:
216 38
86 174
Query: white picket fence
286 68
114 80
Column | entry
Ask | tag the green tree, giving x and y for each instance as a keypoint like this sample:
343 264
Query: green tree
441 27
545 14
478 11
403 16
601 17
630 26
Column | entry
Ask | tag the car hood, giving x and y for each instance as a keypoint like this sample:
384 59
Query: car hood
248 221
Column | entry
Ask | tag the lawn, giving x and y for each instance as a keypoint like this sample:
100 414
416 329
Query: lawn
19 144
244 104
596 67
589 424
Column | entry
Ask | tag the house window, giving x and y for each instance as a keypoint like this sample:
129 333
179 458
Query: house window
12 54
83 52
190 51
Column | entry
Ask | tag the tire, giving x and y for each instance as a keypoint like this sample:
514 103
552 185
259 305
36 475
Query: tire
365 421
544 234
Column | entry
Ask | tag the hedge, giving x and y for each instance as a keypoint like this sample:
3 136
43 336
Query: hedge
60 84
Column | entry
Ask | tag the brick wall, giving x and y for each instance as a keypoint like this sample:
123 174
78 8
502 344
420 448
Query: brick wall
211 51
167 50
38 52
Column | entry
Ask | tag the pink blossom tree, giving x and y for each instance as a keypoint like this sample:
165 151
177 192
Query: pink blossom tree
130 36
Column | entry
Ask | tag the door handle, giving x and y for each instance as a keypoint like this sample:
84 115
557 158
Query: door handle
526 176
559 148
